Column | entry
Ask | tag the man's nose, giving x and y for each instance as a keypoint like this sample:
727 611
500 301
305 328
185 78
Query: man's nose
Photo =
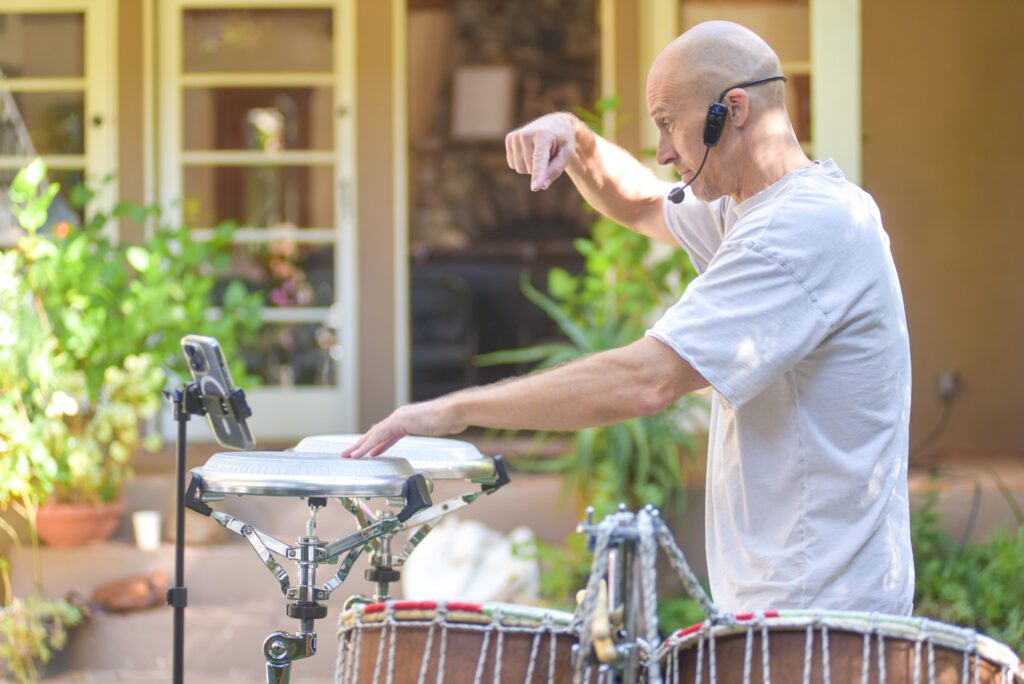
666 152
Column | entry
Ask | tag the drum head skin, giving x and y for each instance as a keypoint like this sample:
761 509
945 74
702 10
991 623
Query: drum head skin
298 474
439 459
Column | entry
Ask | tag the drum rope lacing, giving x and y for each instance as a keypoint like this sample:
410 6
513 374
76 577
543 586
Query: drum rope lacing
651 532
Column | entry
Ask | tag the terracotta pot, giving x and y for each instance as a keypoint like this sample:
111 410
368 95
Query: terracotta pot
63 525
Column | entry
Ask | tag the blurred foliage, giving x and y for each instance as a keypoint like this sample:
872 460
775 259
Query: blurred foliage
624 284
90 330
973 585
31 631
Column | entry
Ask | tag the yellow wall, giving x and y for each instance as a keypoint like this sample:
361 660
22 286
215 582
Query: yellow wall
942 109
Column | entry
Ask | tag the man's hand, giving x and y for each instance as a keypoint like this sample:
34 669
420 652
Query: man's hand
430 418
542 148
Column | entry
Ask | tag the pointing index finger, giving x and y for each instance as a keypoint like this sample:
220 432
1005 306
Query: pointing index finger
542 149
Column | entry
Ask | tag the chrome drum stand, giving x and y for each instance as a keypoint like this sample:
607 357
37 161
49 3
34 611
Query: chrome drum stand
296 475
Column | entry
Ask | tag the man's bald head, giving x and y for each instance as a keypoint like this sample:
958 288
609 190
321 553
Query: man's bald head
712 56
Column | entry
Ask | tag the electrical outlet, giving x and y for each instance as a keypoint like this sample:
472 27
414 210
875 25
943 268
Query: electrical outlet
948 384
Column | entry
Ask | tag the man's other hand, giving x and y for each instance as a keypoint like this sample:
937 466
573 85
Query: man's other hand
542 148
430 419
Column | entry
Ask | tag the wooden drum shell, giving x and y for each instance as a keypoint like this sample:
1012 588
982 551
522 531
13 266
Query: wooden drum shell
935 654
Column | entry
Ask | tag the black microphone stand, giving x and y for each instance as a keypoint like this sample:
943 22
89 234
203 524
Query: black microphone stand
188 402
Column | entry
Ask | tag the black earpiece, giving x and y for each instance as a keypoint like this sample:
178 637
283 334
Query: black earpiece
715 123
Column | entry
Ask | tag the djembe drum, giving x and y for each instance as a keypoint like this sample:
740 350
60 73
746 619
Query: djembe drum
784 646
316 477
835 647
402 642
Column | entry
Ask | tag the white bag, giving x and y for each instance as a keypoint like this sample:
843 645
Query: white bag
468 561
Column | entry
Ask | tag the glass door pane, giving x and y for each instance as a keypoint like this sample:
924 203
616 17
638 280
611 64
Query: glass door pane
42 45
258 40
43 94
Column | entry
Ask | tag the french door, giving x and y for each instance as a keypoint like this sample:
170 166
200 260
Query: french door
255 126
58 98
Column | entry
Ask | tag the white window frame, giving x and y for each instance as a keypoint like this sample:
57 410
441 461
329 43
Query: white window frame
99 85
836 84
279 413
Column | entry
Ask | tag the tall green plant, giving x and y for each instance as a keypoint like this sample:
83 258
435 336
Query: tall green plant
612 302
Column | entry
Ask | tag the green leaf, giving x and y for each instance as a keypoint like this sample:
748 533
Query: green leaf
561 285
80 195
572 331
138 257
35 173
532 354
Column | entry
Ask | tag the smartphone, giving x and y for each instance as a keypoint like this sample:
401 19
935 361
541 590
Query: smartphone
210 372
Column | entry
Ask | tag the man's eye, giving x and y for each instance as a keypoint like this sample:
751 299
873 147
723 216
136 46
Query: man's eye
666 126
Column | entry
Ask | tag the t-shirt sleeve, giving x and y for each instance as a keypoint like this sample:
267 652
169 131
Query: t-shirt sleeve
697 226
743 323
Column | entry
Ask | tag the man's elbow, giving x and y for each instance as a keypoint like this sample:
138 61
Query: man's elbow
657 397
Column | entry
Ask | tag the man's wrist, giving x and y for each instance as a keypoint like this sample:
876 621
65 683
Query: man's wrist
453 408
583 134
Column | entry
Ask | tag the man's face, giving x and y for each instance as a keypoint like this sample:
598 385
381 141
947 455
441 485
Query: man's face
680 122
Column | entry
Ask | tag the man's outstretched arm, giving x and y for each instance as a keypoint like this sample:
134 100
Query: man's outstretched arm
610 179
639 379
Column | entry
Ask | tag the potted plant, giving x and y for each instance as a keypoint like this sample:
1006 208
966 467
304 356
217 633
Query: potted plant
94 327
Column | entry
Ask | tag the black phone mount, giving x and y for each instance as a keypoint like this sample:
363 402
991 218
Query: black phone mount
186 402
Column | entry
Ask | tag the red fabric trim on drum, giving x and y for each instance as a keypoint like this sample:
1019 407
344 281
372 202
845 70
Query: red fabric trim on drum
689 630
465 607
751 616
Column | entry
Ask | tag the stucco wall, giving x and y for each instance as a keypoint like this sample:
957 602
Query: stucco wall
942 108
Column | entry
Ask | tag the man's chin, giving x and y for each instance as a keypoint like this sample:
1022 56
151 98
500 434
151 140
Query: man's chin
705 194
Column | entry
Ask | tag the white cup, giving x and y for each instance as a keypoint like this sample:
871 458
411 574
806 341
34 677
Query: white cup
147 529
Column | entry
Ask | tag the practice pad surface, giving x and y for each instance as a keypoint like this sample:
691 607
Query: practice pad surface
439 459
296 473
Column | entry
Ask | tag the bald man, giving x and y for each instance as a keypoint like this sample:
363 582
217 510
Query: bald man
795 320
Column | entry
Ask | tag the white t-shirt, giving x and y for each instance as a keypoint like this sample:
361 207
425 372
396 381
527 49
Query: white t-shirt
796 319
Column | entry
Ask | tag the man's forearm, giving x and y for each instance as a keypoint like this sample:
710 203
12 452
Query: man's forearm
605 388
637 380
613 181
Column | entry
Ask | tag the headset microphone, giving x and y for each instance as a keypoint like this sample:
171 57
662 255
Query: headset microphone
678 194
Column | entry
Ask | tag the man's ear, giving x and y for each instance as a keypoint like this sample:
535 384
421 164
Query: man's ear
738 103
